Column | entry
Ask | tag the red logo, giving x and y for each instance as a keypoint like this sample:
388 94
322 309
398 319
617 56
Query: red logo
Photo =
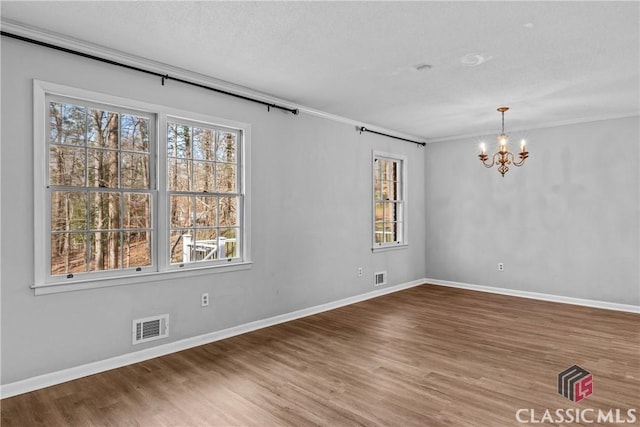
575 383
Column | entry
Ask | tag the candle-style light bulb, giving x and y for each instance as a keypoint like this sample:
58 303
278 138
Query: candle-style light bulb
502 141
523 145
483 148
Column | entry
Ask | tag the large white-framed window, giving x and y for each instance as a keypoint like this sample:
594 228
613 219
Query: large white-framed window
126 191
389 228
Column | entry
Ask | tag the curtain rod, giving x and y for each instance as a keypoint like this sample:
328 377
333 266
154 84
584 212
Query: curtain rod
364 129
164 77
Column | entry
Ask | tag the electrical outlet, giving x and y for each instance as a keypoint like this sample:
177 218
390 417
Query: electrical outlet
204 299
360 271
500 266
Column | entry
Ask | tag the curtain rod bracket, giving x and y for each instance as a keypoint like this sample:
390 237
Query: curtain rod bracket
165 77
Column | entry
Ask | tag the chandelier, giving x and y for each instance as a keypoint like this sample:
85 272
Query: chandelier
503 157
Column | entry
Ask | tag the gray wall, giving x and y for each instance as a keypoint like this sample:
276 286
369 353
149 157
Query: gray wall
566 223
311 213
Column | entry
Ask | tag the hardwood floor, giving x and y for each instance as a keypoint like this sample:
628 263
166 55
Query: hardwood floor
426 356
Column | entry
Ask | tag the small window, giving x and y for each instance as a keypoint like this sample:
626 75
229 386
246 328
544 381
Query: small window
389 199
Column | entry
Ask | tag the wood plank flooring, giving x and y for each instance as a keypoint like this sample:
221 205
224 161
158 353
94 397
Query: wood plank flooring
426 356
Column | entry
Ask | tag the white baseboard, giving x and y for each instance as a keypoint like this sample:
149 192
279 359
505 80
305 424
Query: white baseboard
53 378
534 295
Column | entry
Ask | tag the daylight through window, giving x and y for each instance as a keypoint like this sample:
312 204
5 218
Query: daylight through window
388 195
99 184
128 187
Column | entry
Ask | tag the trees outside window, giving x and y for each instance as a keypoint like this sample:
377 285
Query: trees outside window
389 198
203 191
99 184
124 187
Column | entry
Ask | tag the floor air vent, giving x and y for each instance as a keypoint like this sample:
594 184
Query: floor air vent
380 278
150 328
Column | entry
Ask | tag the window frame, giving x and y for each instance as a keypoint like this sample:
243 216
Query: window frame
402 241
160 268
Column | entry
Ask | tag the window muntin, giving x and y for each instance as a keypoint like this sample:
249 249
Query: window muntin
99 187
204 198
388 201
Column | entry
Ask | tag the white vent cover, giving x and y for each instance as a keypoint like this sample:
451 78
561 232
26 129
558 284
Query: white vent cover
150 328
380 278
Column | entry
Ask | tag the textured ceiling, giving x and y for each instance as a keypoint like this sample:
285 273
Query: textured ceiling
551 62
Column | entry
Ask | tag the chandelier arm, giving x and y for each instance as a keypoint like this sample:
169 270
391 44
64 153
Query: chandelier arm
523 157
493 161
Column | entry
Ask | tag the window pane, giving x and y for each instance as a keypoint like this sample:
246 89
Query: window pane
103 168
225 178
203 176
397 212
379 232
179 175
103 128
189 247
180 246
66 166
228 211
68 210
228 242
105 210
379 215
389 232
384 185
135 171
226 147
181 211
203 144
206 244
206 211
68 253
384 169
178 140
137 211
134 133
67 124
137 249
390 211
397 231
394 171
105 251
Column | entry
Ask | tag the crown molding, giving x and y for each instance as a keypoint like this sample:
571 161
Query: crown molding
72 43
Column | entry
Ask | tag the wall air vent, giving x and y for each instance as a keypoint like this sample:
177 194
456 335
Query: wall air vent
150 328
380 278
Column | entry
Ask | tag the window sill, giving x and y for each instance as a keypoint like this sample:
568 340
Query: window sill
389 248
54 288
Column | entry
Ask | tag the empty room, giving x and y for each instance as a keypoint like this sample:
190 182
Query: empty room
313 213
